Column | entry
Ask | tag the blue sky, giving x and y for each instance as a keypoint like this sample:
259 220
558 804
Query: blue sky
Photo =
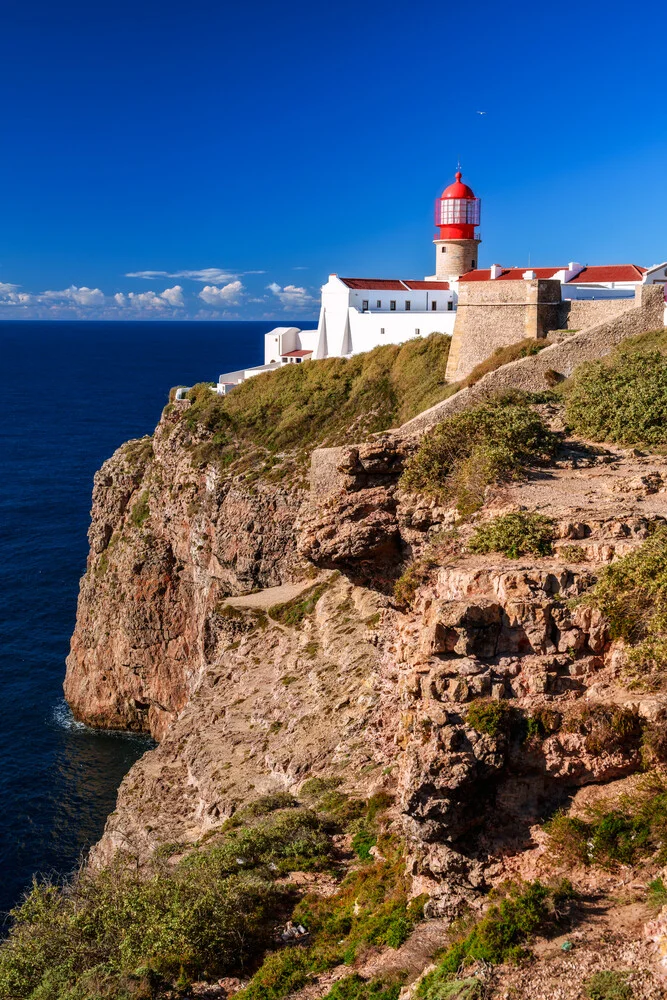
215 161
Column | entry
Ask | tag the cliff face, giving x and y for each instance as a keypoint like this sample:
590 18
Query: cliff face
340 680
168 541
355 686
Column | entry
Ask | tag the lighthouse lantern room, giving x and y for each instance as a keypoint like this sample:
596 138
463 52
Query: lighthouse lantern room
457 213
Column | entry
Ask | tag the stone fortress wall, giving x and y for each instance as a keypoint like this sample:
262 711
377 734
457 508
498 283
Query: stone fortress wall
333 469
579 313
493 314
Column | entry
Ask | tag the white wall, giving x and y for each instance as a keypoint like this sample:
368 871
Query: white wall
342 304
366 328
608 290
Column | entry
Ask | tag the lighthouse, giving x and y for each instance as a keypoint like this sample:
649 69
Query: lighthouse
457 212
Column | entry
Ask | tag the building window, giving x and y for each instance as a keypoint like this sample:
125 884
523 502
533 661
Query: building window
381 329
378 304
416 331
407 305
450 305
434 306
392 305
298 361
364 306
443 249
473 265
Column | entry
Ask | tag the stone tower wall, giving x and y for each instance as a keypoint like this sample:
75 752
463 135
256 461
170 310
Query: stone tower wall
493 314
457 258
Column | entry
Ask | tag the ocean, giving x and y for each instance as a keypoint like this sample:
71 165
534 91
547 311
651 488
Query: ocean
71 394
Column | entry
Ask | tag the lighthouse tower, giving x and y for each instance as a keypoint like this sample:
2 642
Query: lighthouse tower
457 213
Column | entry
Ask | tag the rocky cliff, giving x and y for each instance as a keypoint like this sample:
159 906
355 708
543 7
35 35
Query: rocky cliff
322 673
169 539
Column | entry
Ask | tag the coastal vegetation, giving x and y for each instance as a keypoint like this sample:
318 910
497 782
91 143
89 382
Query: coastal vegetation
623 397
632 595
212 909
494 442
620 833
514 535
298 407
502 934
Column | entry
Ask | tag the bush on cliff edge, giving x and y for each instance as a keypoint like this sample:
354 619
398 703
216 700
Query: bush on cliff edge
621 399
493 442
632 594
119 933
300 406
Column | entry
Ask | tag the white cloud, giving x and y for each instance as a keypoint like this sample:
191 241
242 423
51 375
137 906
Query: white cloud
152 301
82 296
210 275
292 296
174 296
9 296
226 296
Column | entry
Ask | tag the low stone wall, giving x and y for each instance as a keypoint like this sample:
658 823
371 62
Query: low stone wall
579 313
334 468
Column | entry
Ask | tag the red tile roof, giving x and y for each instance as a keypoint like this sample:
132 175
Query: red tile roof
295 354
394 284
427 286
610 272
596 274
380 284
509 273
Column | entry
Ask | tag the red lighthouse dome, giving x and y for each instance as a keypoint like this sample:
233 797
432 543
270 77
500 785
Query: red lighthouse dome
457 211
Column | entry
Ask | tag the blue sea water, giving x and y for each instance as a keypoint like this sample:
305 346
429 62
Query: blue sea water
70 393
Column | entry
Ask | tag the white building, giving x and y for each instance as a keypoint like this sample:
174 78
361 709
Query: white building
358 314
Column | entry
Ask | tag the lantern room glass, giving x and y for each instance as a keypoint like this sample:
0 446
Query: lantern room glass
457 212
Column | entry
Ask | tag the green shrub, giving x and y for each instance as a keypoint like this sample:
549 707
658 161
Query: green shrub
514 535
115 931
493 442
502 934
635 828
470 988
621 399
494 718
541 723
141 510
608 985
607 728
262 806
632 594
572 553
362 842
355 988
569 839
281 973
370 907
656 896
407 585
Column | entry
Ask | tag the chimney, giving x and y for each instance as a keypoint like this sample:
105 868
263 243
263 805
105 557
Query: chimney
496 271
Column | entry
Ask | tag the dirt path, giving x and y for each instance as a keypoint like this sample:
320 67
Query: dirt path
265 599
